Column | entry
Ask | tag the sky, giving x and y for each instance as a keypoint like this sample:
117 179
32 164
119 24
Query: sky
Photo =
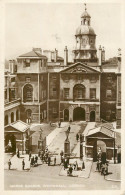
53 25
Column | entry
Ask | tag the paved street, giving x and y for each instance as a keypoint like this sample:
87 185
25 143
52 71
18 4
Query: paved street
44 177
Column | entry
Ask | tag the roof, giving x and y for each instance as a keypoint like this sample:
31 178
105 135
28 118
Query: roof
19 125
84 29
32 54
85 14
79 63
105 128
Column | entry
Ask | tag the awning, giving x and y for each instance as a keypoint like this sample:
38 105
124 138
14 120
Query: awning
18 126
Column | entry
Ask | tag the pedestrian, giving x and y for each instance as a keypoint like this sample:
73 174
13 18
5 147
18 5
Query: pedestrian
23 164
59 123
33 160
54 160
18 153
9 164
29 156
69 128
70 170
83 165
77 136
36 158
49 160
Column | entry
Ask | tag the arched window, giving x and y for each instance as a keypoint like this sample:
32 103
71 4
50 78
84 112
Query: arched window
17 115
12 117
28 93
6 120
28 113
79 92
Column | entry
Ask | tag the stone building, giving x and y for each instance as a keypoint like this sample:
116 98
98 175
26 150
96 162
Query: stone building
52 89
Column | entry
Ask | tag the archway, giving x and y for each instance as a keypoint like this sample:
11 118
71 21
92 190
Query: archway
10 143
28 93
99 144
79 114
92 116
66 115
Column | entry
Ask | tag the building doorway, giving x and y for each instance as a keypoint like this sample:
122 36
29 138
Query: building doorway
10 143
92 116
79 114
98 144
66 115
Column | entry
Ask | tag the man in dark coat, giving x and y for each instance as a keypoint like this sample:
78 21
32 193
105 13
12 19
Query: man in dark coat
9 164
29 156
23 164
49 160
54 160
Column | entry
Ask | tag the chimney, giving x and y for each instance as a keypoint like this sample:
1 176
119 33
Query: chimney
100 55
103 55
55 55
39 50
119 60
12 66
65 56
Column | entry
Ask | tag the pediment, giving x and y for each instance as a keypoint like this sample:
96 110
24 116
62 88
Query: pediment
79 68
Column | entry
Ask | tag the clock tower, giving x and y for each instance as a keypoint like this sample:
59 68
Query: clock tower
85 50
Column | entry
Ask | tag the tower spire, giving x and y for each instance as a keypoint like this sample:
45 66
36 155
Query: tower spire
85 6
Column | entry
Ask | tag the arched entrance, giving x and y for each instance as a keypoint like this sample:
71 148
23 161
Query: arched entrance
92 116
98 144
101 144
66 115
10 143
79 114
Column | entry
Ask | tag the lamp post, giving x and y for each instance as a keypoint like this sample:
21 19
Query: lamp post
67 144
40 141
114 148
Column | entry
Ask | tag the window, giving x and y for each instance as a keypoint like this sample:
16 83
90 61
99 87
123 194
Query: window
92 93
28 113
54 110
28 93
66 93
54 92
79 93
12 117
27 62
108 114
28 79
108 93
5 94
6 120
13 94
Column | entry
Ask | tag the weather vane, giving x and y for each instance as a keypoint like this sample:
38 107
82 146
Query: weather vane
85 6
